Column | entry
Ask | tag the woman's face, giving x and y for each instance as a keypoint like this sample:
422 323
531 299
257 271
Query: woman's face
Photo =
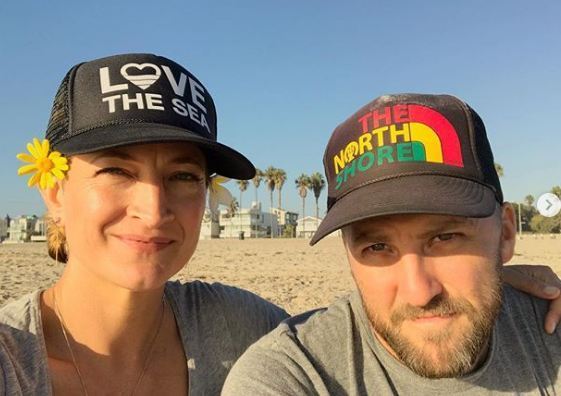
132 215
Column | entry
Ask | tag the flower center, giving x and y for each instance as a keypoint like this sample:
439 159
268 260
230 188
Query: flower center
45 165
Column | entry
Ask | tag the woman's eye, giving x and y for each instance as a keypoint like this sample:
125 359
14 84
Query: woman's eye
112 171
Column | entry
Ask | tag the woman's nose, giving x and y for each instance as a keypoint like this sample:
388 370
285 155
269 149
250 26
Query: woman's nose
150 204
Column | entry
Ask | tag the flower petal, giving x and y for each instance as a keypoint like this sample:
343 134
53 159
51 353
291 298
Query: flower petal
223 196
220 179
50 181
39 148
25 157
57 173
212 202
33 151
45 146
33 180
43 180
25 169
59 161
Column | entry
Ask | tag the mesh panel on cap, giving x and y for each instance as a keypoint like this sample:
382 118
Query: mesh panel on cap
58 122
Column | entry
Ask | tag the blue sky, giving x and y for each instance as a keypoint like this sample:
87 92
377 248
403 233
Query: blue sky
284 74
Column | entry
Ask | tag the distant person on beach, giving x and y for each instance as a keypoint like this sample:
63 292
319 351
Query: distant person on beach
137 137
134 140
413 187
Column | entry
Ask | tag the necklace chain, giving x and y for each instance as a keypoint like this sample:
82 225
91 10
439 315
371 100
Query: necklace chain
75 360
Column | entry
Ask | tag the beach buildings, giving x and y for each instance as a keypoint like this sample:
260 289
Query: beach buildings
307 226
39 231
21 229
252 221
25 229
286 222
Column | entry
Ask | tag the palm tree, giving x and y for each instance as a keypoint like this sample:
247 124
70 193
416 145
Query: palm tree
270 175
317 183
280 178
231 212
499 169
257 181
242 184
302 184
529 200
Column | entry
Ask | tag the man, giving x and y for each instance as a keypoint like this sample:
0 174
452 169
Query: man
412 186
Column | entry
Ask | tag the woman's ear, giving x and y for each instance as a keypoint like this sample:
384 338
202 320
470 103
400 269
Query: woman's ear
53 198
508 232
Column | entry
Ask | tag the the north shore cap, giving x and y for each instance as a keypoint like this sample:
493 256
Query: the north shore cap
409 153
134 99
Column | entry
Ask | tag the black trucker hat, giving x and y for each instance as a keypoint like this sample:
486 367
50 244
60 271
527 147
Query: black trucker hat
134 99
409 153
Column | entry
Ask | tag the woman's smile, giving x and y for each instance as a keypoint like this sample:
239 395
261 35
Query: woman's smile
145 244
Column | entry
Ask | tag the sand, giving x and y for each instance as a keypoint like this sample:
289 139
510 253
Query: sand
287 272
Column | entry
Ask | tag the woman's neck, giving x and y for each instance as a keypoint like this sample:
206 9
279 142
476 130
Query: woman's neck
106 319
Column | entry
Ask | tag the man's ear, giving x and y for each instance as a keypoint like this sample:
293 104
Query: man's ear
508 234
53 198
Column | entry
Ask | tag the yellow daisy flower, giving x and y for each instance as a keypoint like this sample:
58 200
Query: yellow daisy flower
218 194
47 166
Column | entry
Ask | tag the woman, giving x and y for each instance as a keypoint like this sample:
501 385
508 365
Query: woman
137 137
139 132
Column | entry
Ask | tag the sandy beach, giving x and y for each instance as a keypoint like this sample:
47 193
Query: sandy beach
286 271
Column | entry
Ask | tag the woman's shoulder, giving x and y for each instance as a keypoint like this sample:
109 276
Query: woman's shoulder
22 313
199 296
22 352
199 292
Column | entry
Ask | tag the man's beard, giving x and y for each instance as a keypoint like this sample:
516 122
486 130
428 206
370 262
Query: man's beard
447 355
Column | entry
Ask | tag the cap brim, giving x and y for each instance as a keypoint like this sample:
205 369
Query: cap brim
221 159
430 194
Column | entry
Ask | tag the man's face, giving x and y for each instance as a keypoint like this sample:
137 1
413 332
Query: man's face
431 285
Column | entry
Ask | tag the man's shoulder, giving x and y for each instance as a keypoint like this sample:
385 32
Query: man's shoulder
314 330
296 356
522 306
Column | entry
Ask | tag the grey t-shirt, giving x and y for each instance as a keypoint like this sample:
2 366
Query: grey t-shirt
333 352
216 323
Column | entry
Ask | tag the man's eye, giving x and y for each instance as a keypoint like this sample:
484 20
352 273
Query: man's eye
187 177
445 237
112 171
377 247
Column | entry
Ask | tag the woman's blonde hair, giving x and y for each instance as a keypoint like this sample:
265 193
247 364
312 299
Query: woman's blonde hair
56 240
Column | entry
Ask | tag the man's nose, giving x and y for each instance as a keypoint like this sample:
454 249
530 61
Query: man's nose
418 284
150 204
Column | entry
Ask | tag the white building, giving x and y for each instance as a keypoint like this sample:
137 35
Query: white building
253 222
308 226
39 231
21 229
287 221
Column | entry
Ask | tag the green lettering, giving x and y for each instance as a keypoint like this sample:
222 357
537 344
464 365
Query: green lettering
419 153
404 152
365 165
349 170
339 181
385 152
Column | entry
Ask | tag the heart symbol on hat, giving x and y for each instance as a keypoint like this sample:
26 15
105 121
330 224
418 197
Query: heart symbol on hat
142 81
